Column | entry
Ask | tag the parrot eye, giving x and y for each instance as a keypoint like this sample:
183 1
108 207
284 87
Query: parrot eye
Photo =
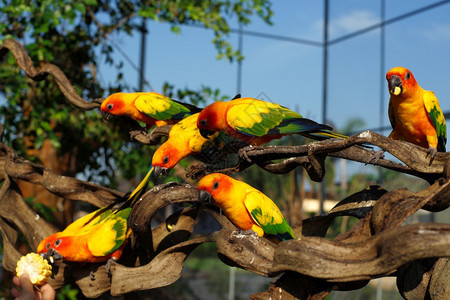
57 242
216 185
165 160
110 106
407 75
203 123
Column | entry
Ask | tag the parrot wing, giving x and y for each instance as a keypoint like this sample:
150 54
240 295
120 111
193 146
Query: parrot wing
187 134
391 114
254 117
160 107
267 215
109 234
437 118
85 224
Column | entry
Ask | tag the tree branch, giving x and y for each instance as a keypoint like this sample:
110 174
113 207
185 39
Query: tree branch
38 74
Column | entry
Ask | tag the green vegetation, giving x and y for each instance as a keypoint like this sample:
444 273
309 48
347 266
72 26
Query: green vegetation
67 34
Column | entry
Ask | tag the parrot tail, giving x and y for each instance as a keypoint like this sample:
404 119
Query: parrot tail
285 236
323 135
127 200
140 189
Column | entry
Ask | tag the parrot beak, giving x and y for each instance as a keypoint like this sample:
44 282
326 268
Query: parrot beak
395 85
160 171
52 255
107 116
206 133
204 197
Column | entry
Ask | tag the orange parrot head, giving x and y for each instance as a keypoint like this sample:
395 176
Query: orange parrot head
117 104
165 158
54 247
400 81
214 185
212 118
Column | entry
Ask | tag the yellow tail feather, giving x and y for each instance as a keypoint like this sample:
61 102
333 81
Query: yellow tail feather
333 135
140 188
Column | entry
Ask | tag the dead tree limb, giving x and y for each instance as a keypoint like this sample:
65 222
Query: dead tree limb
378 245
40 73
415 159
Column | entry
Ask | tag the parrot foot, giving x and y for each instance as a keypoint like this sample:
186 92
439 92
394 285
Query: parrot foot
375 157
108 265
432 152
243 152
92 275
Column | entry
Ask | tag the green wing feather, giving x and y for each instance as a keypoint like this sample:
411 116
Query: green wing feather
85 224
107 227
160 107
437 118
107 231
254 117
110 234
267 215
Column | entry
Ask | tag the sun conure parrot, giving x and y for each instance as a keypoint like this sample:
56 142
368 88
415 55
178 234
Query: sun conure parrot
151 108
414 113
257 122
184 139
244 205
96 237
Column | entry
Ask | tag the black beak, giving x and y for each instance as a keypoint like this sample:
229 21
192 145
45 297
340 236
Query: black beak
107 116
160 171
206 133
395 82
52 255
204 197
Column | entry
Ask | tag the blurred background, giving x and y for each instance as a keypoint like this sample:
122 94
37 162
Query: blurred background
324 59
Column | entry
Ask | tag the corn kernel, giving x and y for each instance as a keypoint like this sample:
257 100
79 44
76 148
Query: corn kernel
36 267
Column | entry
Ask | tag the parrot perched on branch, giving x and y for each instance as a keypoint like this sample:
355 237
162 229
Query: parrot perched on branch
414 113
257 122
245 206
96 237
185 139
151 108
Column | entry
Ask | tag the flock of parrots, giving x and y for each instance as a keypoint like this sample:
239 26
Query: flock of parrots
414 114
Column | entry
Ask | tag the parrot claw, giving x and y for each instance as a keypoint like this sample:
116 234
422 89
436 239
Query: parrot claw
243 152
108 265
375 157
432 152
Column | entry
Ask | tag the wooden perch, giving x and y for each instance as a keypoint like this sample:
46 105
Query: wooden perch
38 74
311 266
415 159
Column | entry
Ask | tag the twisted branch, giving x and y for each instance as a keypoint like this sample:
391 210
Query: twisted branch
312 156
38 74
378 245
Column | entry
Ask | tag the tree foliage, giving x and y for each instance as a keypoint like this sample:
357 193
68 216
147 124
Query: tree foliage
68 33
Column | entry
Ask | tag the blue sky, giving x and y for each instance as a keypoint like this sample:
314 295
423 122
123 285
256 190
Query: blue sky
290 73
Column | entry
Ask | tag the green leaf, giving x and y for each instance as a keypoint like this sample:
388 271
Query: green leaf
81 7
90 2
175 29
45 125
